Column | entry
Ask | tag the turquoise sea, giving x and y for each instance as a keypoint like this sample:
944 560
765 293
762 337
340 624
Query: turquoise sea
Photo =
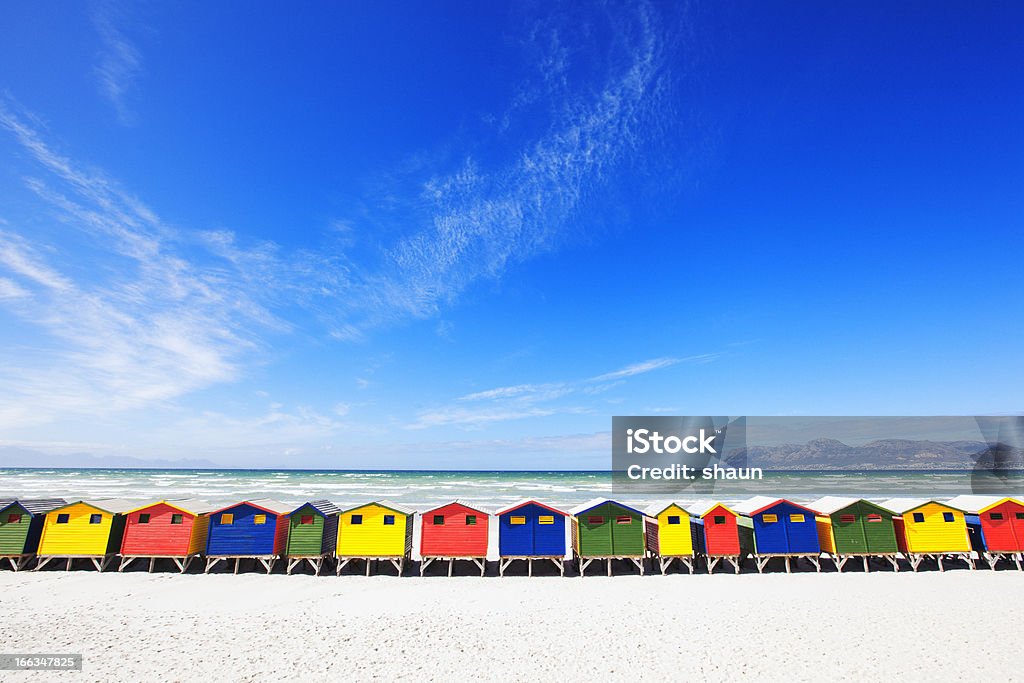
422 489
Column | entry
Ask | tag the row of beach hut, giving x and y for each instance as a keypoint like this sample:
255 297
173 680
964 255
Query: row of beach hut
762 528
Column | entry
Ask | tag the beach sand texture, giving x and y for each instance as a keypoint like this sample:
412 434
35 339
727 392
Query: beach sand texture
253 627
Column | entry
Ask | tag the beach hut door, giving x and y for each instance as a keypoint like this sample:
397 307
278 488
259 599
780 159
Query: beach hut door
516 534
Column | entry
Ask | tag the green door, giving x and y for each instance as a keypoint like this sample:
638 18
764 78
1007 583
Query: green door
595 530
878 529
305 532
848 529
627 531
14 523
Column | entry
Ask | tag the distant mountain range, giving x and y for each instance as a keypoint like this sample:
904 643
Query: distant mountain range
884 454
11 456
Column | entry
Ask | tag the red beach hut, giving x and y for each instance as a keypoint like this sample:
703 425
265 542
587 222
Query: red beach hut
454 531
724 535
174 529
995 525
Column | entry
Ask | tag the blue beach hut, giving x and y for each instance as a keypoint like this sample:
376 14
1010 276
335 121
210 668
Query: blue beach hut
528 530
781 527
254 529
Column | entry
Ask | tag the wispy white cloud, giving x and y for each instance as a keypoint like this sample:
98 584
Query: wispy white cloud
520 401
149 312
143 325
481 218
651 365
120 62
529 392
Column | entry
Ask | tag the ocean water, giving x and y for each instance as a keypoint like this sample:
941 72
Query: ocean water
425 489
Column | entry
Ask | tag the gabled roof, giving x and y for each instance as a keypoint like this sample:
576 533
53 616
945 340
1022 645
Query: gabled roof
266 504
192 506
400 509
901 506
655 509
829 505
113 506
324 508
758 504
457 501
34 506
595 502
703 507
978 504
527 501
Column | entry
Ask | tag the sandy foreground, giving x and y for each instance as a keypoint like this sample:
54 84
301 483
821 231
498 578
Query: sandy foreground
254 627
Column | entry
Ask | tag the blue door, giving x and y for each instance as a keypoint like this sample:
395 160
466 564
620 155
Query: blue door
549 533
515 533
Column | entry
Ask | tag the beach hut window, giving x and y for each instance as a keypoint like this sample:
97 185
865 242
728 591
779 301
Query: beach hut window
63 518
357 519
623 519
719 519
470 520
95 519
769 519
177 519
847 519
796 518
546 519
947 516
595 520
874 518
1020 515
14 519
673 519
144 518
918 517
518 520
306 519
438 520
259 519
996 516
227 519
389 520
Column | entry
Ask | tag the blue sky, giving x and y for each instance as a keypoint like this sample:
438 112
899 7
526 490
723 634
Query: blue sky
467 234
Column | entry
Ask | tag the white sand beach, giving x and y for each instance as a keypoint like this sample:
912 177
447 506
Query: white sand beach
253 627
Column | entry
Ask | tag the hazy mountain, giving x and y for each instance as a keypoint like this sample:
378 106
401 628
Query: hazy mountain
11 456
886 454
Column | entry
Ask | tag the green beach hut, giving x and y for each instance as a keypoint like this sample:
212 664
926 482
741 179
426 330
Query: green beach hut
312 534
852 527
21 525
607 530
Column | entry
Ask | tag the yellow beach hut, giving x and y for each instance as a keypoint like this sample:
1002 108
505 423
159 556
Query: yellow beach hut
380 530
929 529
84 530
669 535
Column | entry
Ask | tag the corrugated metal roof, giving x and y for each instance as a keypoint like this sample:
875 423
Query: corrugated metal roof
268 504
35 506
459 501
594 502
193 506
323 506
831 504
901 505
751 506
702 507
528 501
976 504
756 504
655 509
116 506
401 509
